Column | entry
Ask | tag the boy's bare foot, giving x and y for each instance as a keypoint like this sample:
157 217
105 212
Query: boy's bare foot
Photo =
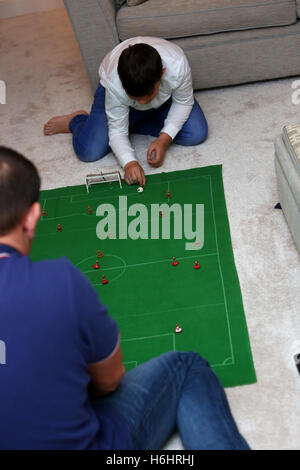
60 124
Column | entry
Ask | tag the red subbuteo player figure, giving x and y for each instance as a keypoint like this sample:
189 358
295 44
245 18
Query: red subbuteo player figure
178 329
104 281
168 195
59 228
100 254
96 266
90 210
196 265
44 213
174 262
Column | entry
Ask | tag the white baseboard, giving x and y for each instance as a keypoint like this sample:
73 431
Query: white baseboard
9 8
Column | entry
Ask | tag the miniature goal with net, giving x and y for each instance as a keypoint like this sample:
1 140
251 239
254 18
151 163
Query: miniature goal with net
108 177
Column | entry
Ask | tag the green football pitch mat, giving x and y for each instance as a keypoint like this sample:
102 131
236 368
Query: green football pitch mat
145 293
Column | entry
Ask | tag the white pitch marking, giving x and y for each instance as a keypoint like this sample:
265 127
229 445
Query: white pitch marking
134 193
225 363
131 362
147 337
44 205
146 264
158 312
85 198
106 269
220 270
66 216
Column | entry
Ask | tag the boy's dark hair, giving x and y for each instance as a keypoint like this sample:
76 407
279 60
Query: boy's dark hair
139 68
19 188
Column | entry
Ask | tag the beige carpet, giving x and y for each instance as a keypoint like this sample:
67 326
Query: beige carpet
41 64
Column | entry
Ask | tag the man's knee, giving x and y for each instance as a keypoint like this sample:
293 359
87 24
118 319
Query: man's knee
91 153
200 134
198 131
194 133
198 128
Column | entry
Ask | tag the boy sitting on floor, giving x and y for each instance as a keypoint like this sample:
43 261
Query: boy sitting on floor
145 88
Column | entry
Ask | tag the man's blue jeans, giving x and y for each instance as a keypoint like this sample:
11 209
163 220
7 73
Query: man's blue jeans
175 390
90 132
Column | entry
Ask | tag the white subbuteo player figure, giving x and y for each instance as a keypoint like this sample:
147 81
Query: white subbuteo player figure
178 329
197 242
110 234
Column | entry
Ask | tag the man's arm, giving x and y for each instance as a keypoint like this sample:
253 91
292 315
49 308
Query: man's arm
181 107
182 102
98 335
118 130
106 374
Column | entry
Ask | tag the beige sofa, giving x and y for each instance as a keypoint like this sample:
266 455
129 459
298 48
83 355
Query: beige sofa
287 166
227 42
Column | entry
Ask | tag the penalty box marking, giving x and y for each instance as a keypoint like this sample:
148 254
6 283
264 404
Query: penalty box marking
220 270
229 361
143 338
71 196
110 197
225 363
168 182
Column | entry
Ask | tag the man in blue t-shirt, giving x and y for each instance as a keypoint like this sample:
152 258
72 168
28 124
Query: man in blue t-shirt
58 336
62 382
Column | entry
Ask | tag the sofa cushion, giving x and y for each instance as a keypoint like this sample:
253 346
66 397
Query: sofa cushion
133 3
181 18
288 180
130 3
291 138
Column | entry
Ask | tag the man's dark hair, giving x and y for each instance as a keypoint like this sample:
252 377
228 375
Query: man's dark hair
19 188
139 68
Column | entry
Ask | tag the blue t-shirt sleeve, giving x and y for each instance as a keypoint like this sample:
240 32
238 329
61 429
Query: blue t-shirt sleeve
99 333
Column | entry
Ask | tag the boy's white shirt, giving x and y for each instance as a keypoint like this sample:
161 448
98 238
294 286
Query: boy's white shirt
176 82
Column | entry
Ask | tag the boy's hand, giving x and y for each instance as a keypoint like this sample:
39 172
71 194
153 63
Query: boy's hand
158 149
134 173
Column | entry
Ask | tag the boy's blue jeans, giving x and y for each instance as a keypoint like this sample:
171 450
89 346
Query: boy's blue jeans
90 132
175 390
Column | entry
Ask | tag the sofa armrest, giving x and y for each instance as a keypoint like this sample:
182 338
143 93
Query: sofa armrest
95 29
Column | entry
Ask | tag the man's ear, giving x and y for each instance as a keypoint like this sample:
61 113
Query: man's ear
31 219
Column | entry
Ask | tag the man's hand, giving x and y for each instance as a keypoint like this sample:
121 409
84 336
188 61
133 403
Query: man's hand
134 173
158 149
